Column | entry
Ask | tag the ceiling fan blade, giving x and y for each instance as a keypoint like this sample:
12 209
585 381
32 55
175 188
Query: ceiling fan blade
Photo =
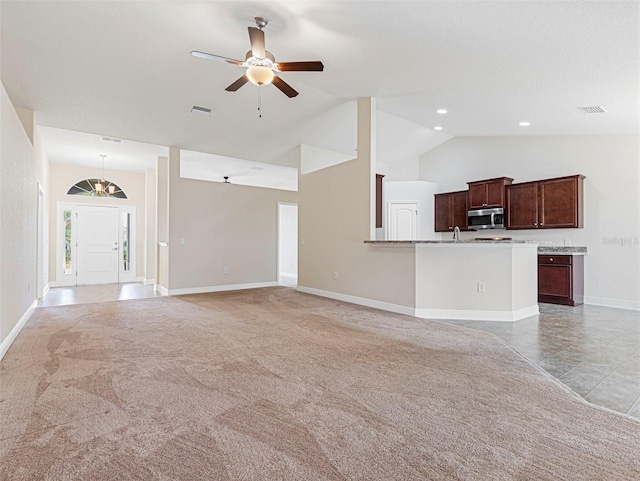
314 66
210 56
237 84
284 87
256 36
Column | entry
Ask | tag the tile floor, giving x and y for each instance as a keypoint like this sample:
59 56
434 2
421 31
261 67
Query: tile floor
64 296
593 350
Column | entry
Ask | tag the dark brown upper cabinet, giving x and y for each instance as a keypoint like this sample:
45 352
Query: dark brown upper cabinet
546 204
488 193
379 178
450 211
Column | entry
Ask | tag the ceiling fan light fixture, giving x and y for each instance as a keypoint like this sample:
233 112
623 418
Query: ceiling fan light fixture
259 75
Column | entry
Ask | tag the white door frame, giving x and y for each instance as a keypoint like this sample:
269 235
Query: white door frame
70 279
390 204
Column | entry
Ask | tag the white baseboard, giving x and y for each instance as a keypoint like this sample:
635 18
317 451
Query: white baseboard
229 287
7 341
452 314
53 284
46 289
607 302
361 301
147 282
139 279
476 315
161 289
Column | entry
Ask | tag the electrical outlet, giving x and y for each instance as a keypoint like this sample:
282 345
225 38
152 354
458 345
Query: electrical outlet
182 241
335 276
302 241
481 287
225 270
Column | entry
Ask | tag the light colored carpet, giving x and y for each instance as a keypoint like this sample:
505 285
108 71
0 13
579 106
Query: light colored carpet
272 384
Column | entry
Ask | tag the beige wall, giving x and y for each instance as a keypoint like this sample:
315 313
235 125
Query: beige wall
611 197
150 241
22 166
63 176
335 211
222 225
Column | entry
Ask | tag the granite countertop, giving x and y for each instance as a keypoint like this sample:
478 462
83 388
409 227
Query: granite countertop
445 242
542 249
566 250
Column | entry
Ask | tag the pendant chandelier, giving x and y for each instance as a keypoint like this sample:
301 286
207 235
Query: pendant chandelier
101 187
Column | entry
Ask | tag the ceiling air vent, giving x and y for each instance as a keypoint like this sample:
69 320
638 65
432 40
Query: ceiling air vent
595 109
109 139
196 109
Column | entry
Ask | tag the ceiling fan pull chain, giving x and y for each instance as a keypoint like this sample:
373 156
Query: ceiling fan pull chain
260 101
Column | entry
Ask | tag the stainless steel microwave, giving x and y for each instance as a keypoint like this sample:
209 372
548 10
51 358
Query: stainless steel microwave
486 218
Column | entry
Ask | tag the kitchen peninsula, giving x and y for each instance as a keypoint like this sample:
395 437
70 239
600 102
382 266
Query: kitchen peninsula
473 280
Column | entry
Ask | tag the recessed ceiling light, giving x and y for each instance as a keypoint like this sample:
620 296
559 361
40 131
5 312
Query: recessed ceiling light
524 124
441 111
437 127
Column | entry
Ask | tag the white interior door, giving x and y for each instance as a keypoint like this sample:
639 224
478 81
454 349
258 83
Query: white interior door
98 249
403 220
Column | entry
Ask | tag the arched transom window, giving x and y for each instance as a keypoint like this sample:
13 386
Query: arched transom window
97 188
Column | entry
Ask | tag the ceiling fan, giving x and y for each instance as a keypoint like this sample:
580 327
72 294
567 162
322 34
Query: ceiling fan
261 64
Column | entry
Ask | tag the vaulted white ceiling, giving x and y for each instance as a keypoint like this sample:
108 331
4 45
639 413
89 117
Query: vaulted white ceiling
123 70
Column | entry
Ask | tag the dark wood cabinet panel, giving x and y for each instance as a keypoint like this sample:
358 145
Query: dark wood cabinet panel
450 211
522 206
546 204
442 212
561 279
561 202
488 193
459 209
379 178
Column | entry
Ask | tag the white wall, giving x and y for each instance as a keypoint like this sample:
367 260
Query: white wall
611 197
22 166
288 240
150 241
63 176
419 191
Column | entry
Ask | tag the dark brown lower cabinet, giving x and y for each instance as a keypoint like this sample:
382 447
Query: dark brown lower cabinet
561 279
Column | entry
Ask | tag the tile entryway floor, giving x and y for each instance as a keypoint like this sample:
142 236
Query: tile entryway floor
593 350
65 296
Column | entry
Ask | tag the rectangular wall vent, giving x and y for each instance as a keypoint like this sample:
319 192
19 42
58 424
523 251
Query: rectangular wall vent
196 109
595 109
109 139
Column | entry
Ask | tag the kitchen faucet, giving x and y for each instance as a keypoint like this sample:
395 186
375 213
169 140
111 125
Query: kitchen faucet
456 233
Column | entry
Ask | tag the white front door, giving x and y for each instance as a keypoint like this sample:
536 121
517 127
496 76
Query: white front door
403 220
98 249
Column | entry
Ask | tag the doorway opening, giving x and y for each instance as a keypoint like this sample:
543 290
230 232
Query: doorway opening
95 244
287 244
